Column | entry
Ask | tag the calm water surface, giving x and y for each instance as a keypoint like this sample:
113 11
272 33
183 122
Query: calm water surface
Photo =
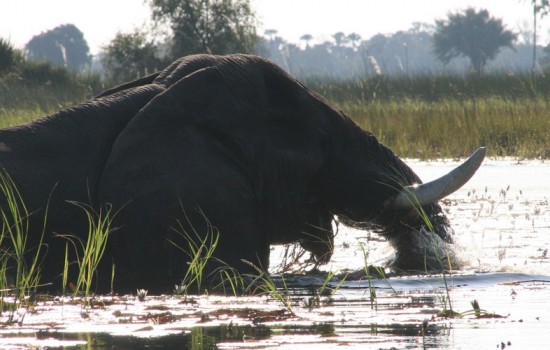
502 224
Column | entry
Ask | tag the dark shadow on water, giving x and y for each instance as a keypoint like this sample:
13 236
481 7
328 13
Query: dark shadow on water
198 338
206 338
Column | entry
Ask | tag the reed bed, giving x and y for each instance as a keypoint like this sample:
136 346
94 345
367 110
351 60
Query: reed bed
454 128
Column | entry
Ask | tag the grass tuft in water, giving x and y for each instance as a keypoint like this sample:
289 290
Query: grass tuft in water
90 252
266 285
325 293
371 287
200 252
19 264
141 294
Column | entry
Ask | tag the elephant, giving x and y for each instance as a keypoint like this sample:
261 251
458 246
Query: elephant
226 144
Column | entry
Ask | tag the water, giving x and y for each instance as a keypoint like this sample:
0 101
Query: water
502 224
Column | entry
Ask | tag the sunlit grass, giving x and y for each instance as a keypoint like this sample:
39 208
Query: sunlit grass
89 252
12 117
199 248
263 283
453 128
19 263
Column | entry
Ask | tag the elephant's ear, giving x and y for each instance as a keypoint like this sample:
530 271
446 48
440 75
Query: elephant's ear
176 140
258 116
217 122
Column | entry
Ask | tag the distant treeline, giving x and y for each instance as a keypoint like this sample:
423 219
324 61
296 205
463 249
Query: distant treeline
404 53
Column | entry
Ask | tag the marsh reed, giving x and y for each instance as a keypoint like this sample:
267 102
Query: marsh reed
454 128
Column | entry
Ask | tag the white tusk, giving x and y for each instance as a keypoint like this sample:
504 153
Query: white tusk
433 191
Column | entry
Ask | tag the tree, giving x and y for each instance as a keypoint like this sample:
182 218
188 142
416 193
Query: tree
473 34
355 39
129 56
207 26
271 33
306 38
63 46
339 38
540 8
9 56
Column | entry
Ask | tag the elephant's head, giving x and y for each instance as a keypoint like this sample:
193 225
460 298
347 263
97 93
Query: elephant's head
410 217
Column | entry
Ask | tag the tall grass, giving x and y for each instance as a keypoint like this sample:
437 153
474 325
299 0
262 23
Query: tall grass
38 84
453 128
34 89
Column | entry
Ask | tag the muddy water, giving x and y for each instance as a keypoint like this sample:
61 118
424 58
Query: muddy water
502 224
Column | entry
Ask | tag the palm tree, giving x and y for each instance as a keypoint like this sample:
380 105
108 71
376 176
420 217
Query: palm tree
355 39
307 38
339 38
271 33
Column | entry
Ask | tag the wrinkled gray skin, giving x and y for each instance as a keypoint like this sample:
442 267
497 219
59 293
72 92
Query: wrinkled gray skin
230 138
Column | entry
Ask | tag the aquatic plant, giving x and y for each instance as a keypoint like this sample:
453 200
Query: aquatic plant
445 262
371 287
113 270
230 279
200 252
89 252
18 262
65 278
263 283
141 294
324 293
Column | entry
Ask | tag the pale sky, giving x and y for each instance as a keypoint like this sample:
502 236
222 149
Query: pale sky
100 20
